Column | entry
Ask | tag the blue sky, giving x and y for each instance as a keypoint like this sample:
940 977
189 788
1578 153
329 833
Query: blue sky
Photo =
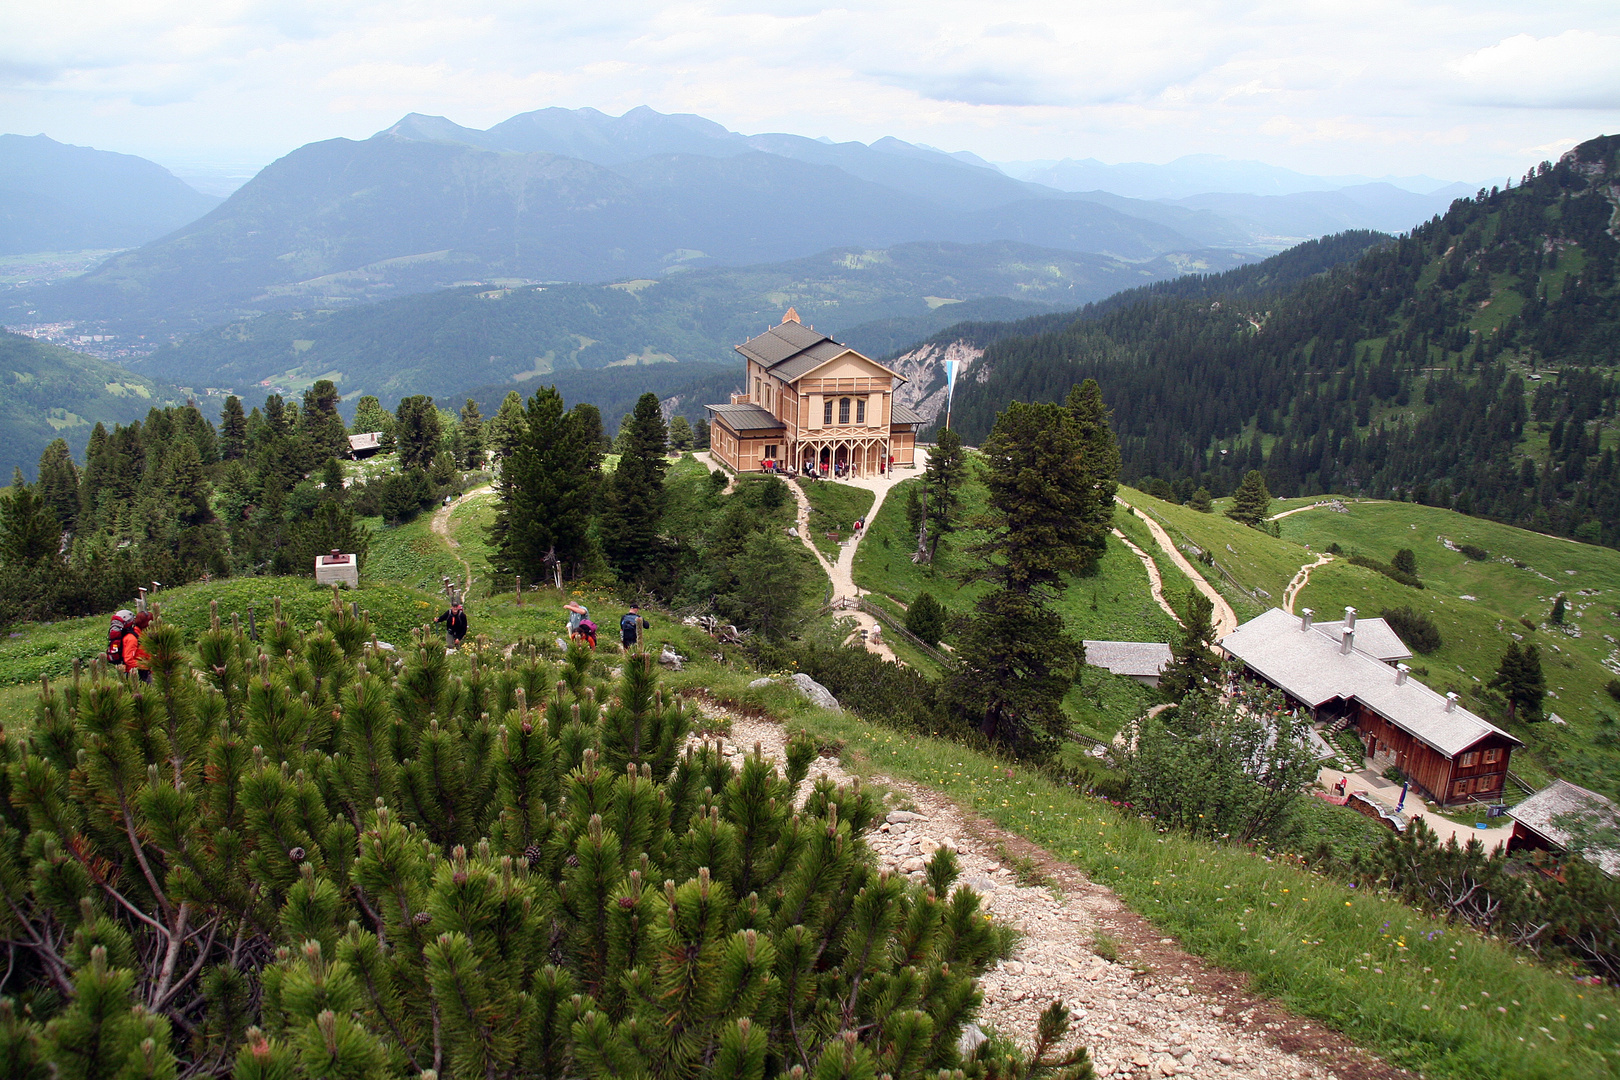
1463 91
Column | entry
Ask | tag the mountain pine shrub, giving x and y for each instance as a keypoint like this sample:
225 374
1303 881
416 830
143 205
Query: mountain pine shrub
311 857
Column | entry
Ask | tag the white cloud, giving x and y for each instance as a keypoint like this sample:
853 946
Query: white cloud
1380 86
1578 69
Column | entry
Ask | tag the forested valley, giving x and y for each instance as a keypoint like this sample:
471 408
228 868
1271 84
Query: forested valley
1469 364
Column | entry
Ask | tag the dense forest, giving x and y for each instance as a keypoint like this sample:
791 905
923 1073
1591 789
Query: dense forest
1468 364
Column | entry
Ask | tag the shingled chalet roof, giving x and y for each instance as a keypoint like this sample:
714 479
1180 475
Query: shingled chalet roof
746 417
1375 637
1310 668
1140 658
900 414
1541 813
791 350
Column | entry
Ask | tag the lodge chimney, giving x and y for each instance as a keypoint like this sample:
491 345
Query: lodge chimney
1401 672
1305 619
1349 641
1349 618
1451 701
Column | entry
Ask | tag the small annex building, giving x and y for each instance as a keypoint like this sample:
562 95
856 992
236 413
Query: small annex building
1143 661
1450 753
810 404
1544 821
365 444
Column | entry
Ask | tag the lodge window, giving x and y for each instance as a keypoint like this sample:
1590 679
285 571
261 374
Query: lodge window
1489 783
826 411
1470 759
1493 756
1460 788
770 451
860 410
843 410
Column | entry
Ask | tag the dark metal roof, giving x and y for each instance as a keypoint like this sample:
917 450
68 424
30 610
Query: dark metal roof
900 414
780 342
746 417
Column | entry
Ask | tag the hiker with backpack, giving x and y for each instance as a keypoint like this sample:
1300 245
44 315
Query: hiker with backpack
631 626
131 655
455 624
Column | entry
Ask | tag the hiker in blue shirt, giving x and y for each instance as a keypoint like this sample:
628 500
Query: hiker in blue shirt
630 627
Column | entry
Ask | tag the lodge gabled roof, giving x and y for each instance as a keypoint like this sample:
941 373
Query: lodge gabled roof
741 418
1548 813
1311 667
1375 637
1140 658
792 350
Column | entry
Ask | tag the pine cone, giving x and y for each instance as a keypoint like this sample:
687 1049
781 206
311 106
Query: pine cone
459 877
532 854
572 860
626 902
422 918
297 854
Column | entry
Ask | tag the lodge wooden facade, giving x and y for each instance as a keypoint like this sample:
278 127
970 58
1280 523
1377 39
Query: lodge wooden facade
811 404
1448 752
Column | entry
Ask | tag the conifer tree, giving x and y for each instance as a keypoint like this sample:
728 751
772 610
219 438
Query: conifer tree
943 478
926 617
1193 663
470 431
1557 616
1520 680
547 492
633 503
29 532
59 483
1201 501
370 416
771 584
506 428
323 431
416 431
680 434
1405 561
1251 501
233 429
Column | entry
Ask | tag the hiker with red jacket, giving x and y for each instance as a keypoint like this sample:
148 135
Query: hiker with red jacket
135 657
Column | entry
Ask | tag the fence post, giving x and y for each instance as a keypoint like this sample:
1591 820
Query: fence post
520 590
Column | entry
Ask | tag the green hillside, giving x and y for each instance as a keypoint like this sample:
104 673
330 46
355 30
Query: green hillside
47 393
447 342
1468 365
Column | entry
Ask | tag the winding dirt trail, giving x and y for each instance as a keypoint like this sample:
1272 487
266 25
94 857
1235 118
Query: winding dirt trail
1300 580
1155 581
1223 616
441 528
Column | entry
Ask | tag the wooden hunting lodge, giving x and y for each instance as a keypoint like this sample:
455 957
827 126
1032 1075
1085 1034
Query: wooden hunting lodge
1451 754
810 404
1547 821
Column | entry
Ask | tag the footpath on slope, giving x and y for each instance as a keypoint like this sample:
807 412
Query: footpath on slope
1155 581
1153 1011
1300 580
841 573
441 527
1224 618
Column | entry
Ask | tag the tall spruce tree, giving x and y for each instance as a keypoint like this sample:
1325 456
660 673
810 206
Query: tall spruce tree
59 483
322 428
1099 459
506 427
1520 680
29 531
547 493
416 431
1193 663
370 416
232 429
633 504
1251 501
944 476
470 431
1043 490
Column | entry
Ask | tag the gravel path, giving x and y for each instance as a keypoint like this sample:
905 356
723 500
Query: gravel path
1155 581
441 527
1301 579
1152 1011
1224 617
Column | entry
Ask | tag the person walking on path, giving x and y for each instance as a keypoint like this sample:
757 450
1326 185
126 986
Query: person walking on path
135 657
631 626
455 624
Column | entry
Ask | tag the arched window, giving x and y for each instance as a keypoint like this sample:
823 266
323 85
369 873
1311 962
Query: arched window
843 410
826 411
860 410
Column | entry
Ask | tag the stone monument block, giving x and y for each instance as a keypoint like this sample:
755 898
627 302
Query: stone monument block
337 569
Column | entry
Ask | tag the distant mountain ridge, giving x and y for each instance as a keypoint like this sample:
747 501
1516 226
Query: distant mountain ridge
57 197
447 342
1197 174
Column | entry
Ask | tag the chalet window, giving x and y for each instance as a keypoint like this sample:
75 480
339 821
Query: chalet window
770 451
1493 756
843 410
1460 788
1489 783
826 411
1470 759
860 410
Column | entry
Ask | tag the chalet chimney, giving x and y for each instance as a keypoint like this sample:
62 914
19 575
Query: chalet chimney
1401 672
1349 641
1305 619
1451 701
1349 618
